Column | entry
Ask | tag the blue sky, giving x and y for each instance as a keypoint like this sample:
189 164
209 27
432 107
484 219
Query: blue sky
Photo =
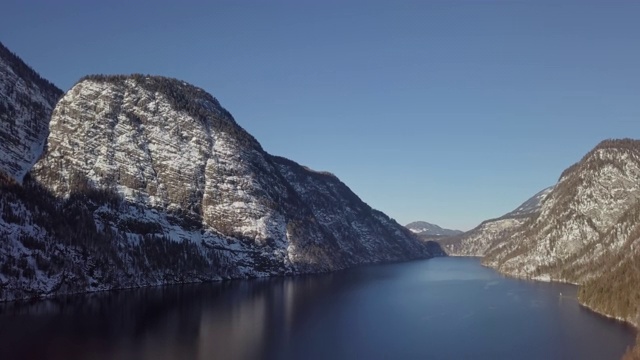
446 111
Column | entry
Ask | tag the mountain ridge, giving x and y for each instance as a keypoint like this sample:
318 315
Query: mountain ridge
477 241
585 231
426 229
588 201
148 180
26 103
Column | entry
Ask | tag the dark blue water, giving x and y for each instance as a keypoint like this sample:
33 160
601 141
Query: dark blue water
447 308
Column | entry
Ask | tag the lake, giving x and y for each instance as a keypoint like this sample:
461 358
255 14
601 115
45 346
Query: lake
443 308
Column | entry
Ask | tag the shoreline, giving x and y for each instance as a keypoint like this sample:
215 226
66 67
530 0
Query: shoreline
548 279
53 296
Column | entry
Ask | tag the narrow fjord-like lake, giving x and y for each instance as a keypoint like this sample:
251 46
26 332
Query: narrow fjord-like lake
445 308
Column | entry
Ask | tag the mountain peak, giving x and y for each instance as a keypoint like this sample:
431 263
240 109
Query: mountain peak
180 94
604 153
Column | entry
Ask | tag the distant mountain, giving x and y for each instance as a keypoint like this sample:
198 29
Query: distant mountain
148 180
26 103
478 241
426 229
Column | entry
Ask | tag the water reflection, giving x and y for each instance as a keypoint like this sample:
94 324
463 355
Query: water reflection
444 308
230 320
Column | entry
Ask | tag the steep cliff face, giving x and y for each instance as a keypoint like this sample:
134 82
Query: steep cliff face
170 146
148 180
587 232
26 102
381 238
490 233
588 215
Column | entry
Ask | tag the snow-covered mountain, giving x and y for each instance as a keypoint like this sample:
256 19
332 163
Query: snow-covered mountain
478 241
590 214
26 102
426 230
148 180
585 230
379 236
531 206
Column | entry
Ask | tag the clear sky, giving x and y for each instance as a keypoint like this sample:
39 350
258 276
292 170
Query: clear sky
446 111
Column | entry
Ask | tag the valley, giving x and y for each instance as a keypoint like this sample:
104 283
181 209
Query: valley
138 181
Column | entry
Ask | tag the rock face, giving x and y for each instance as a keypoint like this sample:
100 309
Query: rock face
26 102
585 230
166 145
380 237
489 233
428 230
148 180
587 216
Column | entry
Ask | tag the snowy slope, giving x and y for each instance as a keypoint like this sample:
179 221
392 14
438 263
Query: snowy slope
588 215
26 102
489 233
426 229
148 180
381 238
531 206
585 230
